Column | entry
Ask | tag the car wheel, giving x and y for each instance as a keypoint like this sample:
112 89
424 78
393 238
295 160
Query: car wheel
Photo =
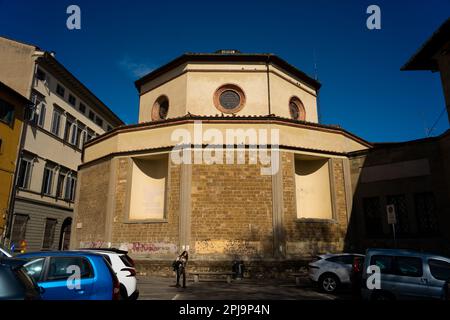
329 283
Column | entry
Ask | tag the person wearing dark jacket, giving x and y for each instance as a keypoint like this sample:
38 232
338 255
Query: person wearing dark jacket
179 266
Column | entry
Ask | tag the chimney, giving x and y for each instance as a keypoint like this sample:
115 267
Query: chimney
228 51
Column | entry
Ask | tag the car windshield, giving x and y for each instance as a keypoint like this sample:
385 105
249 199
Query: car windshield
3 251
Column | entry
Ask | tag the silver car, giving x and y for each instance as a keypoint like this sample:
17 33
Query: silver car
404 274
330 271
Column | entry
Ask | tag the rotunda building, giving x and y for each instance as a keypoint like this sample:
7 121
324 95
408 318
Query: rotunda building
227 161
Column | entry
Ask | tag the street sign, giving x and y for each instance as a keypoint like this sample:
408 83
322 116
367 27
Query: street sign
391 217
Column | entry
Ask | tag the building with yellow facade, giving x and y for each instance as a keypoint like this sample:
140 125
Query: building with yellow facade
12 113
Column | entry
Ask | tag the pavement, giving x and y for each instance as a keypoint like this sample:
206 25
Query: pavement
160 288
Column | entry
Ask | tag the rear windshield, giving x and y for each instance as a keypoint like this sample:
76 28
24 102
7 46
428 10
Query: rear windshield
439 269
127 261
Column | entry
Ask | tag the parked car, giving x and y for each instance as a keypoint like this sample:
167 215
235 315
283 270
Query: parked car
55 272
5 253
331 271
406 274
16 284
124 268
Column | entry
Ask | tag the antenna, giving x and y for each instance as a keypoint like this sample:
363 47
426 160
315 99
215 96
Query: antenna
316 73
425 127
430 131
316 77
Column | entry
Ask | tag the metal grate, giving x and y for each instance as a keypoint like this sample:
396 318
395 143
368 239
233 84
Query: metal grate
402 227
426 213
293 108
229 99
163 109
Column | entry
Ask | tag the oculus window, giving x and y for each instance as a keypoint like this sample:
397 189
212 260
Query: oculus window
160 108
229 98
296 109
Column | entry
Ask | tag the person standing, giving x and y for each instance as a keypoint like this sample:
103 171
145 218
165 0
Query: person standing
181 263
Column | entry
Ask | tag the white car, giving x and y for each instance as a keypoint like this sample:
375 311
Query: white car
4 253
124 268
330 271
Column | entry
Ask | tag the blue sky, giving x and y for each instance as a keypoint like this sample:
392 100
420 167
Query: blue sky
363 89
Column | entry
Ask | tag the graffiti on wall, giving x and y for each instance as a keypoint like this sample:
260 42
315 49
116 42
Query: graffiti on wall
150 247
228 247
134 247
95 244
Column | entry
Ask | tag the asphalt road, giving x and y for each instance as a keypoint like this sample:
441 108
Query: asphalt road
159 288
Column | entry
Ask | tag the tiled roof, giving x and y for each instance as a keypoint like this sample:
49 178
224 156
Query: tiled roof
229 57
225 118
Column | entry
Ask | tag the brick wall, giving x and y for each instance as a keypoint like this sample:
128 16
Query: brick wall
231 215
154 240
93 184
306 237
231 211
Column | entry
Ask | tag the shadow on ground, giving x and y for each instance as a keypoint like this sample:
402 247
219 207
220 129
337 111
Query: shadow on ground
160 288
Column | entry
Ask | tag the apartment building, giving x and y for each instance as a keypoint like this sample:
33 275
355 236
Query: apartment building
13 107
66 114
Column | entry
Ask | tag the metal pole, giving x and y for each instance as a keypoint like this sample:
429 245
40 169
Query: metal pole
393 230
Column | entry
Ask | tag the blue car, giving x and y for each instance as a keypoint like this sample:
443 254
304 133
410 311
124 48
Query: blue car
72 275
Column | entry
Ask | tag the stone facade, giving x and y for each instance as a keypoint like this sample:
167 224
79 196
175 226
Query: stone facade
231 211
231 214
221 211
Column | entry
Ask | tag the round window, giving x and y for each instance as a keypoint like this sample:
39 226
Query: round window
160 108
229 98
296 109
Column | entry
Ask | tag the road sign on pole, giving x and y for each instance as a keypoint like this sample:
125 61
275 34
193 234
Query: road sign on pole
392 218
